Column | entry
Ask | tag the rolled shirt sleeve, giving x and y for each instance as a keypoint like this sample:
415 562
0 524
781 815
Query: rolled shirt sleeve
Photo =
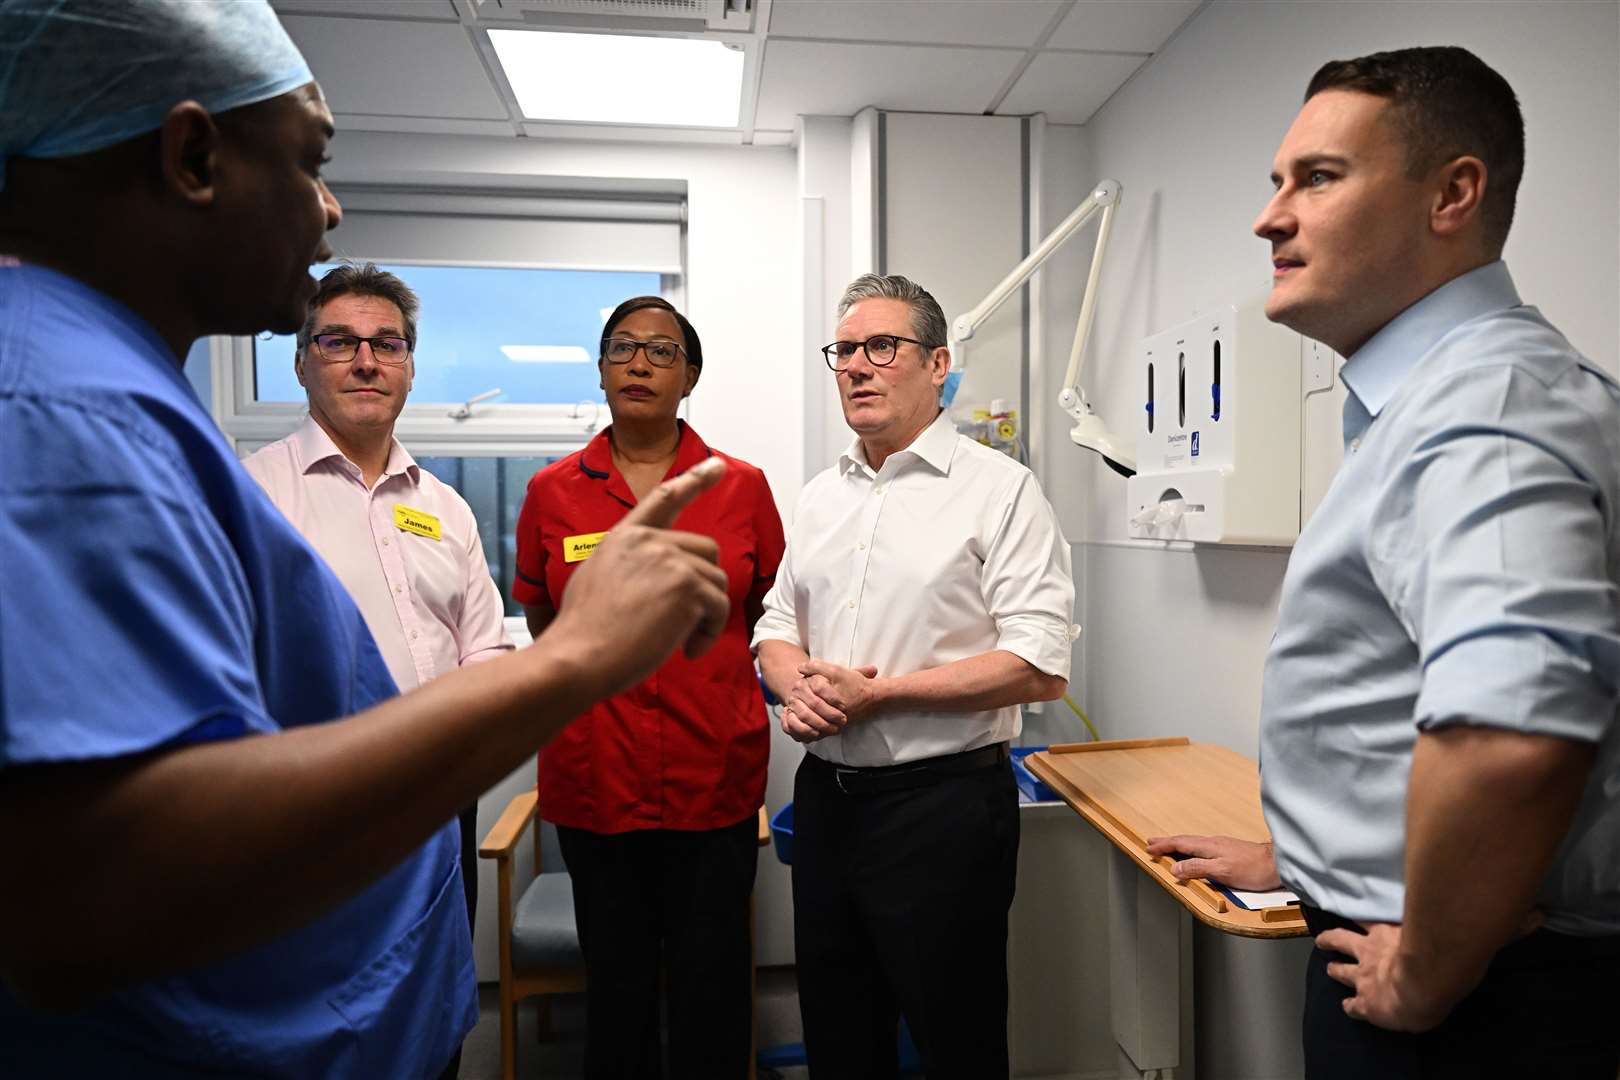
1027 581
780 619
1497 563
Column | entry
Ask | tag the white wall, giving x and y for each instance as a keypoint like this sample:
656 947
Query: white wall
953 206
1175 640
742 256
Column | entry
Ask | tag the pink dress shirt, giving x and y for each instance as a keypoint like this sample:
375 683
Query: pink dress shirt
431 604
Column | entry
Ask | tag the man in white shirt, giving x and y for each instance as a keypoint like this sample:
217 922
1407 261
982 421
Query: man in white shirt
403 542
925 594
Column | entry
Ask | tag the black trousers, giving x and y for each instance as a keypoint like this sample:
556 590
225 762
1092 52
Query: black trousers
664 901
900 903
1549 1006
469 887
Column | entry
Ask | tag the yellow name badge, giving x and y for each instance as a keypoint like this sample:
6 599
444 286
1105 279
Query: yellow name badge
579 548
419 522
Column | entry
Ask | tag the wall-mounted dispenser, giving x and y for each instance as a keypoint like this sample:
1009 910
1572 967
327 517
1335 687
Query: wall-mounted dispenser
1218 438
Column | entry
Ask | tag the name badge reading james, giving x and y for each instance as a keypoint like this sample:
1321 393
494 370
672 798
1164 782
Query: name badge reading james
579 548
419 522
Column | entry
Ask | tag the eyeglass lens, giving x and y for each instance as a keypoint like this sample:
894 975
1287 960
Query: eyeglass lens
880 350
340 348
659 353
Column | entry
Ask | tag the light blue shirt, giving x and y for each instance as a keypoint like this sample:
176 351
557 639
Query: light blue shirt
152 596
1464 568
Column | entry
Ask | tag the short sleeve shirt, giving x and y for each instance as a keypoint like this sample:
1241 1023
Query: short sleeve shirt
686 748
151 596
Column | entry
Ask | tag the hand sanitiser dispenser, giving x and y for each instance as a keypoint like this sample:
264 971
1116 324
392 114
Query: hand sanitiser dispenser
1218 437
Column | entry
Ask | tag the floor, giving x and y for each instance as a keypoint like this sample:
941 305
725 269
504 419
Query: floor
562 1056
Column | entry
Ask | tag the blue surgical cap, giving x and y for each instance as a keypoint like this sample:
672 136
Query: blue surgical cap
80 75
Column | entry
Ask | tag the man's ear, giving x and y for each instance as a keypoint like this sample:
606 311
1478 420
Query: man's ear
939 363
298 368
1459 196
189 146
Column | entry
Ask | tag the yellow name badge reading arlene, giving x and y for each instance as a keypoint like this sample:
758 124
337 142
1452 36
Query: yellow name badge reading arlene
419 522
579 548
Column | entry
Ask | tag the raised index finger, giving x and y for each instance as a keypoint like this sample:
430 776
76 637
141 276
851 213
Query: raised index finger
666 501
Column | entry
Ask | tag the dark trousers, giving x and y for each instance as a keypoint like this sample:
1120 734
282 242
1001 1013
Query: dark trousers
469 887
900 903
665 901
1548 1007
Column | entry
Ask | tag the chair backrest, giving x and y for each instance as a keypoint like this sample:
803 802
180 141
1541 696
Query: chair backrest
547 849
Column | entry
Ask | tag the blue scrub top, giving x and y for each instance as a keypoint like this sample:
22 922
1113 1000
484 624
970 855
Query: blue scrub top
151 595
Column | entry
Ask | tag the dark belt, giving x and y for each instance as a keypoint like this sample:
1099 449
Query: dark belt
852 780
1318 921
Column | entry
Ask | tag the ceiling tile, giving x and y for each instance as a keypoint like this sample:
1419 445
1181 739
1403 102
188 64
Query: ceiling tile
382 67
1068 87
1126 25
955 22
819 79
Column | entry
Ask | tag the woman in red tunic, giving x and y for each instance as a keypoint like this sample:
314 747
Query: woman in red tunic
655 792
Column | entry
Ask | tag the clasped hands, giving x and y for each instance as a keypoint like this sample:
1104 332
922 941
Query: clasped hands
826 698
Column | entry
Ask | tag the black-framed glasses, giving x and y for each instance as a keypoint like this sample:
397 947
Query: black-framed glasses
660 353
340 348
880 350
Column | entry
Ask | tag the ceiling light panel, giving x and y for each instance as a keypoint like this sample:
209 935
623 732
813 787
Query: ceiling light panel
619 79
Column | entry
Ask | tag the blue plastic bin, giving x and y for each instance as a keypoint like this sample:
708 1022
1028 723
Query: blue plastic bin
1031 786
782 834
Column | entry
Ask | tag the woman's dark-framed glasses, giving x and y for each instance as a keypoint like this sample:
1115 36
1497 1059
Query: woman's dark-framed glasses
340 348
880 350
660 354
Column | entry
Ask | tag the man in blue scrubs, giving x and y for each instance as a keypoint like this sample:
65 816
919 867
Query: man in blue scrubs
1439 742
230 848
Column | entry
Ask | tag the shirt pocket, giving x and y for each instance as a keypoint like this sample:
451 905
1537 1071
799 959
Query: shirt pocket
409 1008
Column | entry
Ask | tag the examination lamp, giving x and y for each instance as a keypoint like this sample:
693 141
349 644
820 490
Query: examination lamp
1089 431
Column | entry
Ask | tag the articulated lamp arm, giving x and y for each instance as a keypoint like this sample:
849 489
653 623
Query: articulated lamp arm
1089 431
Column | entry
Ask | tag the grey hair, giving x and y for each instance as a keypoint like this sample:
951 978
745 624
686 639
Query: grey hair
361 279
927 320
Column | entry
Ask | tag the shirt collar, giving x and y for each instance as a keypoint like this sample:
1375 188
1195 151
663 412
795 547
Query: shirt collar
1378 368
313 446
934 446
596 460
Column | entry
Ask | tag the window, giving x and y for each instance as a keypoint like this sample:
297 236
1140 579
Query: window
531 334
494 488
514 285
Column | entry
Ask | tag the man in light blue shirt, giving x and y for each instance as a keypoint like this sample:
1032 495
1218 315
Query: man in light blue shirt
1439 745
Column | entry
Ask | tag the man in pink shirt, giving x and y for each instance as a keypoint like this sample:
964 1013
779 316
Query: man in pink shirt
403 542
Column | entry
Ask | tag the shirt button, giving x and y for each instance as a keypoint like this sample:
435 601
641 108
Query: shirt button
1355 444
852 605
385 541
877 489
860 545
399 588
413 635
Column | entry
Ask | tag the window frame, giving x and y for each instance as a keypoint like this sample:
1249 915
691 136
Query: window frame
491 429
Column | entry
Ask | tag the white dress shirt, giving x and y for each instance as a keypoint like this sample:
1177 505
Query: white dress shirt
430 603
949 551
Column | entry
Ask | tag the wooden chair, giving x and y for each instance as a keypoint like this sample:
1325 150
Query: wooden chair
539 945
